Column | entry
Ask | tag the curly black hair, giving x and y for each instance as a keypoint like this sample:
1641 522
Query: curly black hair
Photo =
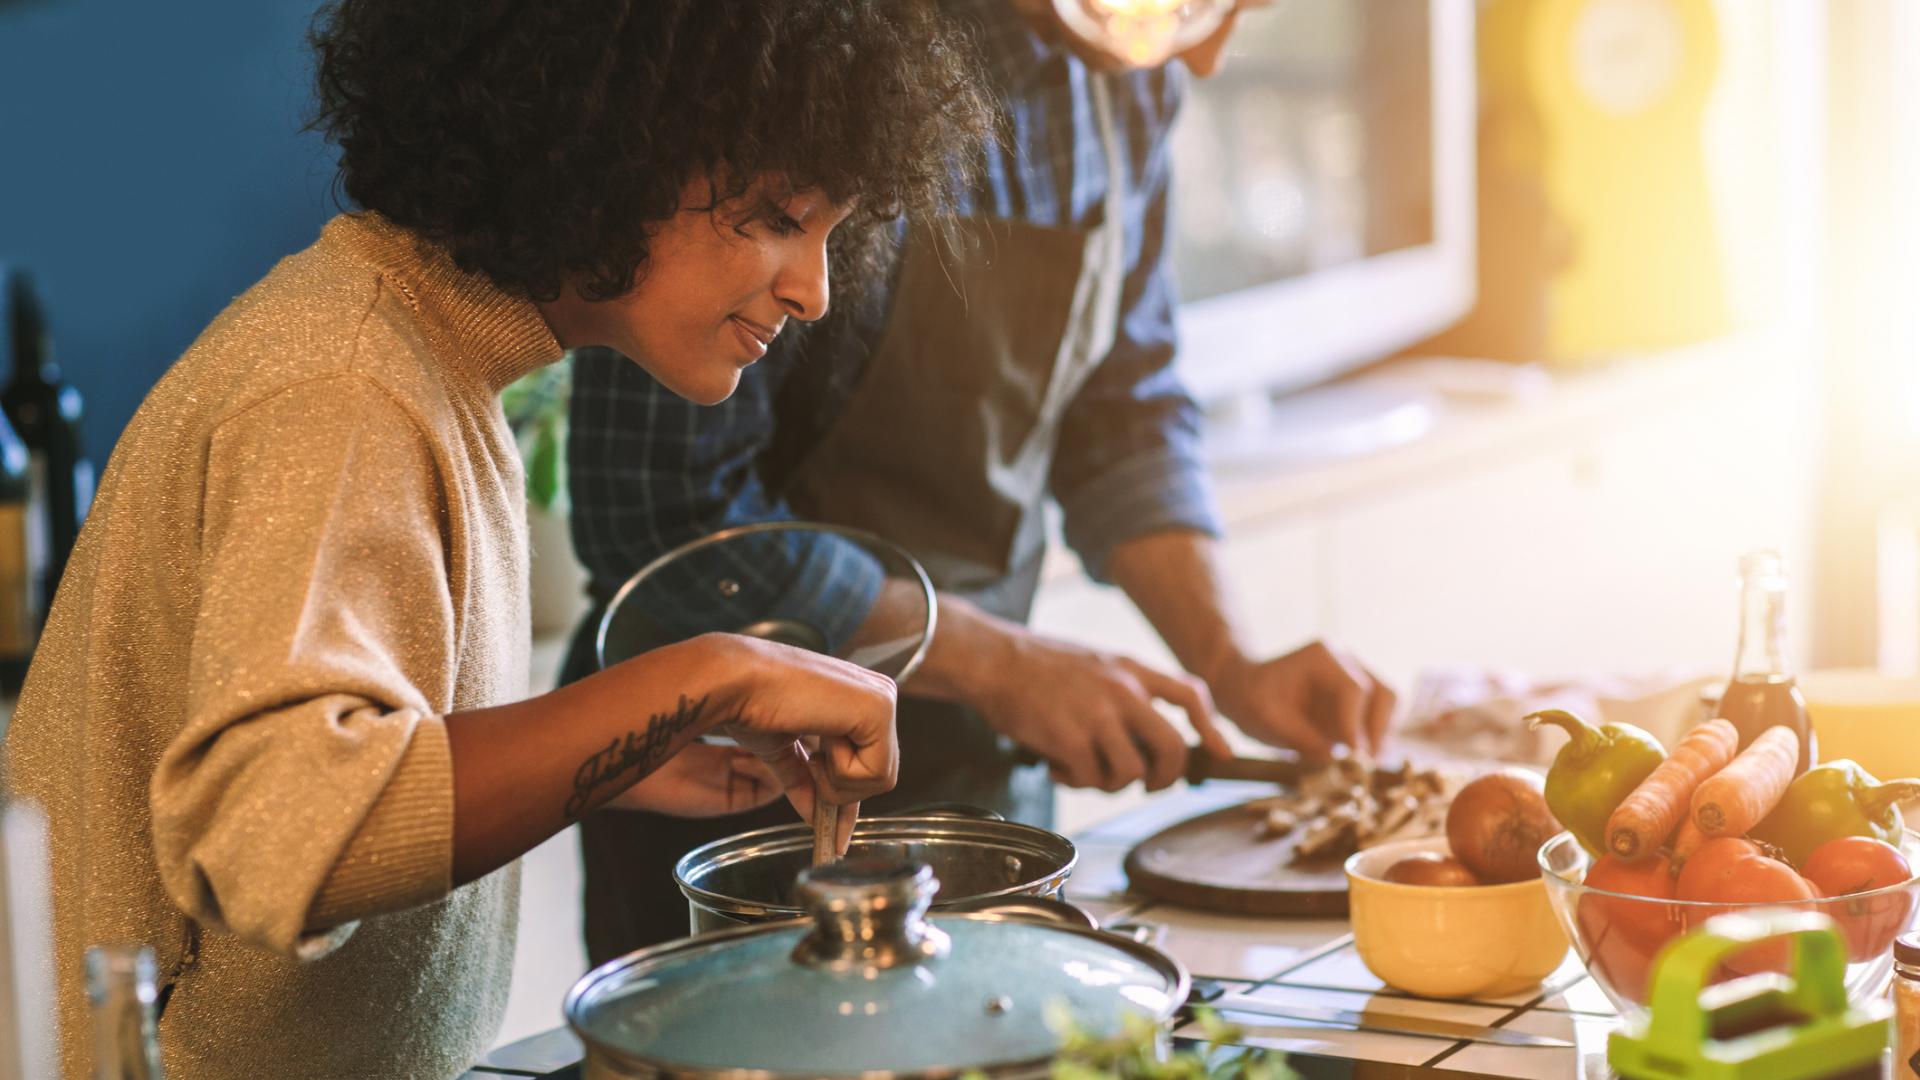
536 140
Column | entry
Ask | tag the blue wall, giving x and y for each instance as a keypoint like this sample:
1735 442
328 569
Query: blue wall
152 167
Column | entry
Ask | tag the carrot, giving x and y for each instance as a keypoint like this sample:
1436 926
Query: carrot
1649 814
1686 840
1734 799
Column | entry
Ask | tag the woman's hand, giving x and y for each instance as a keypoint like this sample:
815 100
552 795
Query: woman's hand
524 771
808 726
821 727
703 780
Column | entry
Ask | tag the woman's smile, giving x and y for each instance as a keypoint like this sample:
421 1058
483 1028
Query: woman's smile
753 336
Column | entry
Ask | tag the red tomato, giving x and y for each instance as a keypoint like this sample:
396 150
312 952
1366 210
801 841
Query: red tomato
1710 859
1621 936
1615 958
1651 921
1857 864
1729 870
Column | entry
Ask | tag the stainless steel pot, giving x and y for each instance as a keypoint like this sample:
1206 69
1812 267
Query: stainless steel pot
750 878
871 985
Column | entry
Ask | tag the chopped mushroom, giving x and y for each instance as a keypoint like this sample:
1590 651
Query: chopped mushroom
1280 821
1346 806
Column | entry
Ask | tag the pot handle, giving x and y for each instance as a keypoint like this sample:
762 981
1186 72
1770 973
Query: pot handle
1044 908
1140 933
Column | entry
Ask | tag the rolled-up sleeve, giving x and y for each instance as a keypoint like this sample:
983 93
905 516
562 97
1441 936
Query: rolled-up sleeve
1130 459
311 785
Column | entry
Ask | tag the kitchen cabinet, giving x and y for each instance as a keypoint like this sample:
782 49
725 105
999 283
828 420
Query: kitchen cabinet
1613 551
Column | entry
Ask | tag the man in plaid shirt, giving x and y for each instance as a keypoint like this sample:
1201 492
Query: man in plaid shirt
942 412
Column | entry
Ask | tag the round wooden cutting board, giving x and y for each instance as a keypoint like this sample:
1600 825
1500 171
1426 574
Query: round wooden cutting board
1225 861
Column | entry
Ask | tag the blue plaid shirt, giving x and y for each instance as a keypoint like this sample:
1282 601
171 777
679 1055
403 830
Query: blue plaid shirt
650 470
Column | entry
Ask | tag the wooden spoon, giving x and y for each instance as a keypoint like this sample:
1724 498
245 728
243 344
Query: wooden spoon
826 830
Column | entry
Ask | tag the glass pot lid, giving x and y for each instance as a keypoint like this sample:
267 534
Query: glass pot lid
826 588
869 983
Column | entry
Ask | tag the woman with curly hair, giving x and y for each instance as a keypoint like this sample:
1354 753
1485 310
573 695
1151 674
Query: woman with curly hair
279 718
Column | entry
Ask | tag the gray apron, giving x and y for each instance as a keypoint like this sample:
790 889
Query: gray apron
945 449
946 446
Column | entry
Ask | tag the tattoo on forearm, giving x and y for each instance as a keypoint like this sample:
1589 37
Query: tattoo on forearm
641 750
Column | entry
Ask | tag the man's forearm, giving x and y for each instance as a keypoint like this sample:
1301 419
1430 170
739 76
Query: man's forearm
1172 576
969 646
1175 579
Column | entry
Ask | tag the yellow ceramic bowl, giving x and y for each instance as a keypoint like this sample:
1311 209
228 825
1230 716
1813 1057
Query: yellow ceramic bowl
1441 941
1872 718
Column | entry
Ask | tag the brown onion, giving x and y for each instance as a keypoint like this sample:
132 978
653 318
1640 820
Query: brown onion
1430 868
1497 824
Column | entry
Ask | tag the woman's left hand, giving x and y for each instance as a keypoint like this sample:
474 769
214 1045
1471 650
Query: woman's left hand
703 780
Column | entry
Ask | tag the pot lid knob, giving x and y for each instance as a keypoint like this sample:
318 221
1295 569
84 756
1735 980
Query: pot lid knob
869 912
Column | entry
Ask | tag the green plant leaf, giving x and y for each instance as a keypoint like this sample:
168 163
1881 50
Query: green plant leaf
535 407
544 477
1137 1053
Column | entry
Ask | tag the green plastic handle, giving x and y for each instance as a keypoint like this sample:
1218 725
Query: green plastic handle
1679 1026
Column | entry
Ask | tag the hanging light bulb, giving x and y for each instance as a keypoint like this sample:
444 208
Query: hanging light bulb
1144 33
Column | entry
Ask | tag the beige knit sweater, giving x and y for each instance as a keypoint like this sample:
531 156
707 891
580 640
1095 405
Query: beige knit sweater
308 547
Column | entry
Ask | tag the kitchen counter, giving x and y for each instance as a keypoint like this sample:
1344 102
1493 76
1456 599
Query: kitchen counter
1305 961
1313 962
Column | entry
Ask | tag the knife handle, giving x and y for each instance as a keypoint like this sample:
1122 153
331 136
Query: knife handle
1203 766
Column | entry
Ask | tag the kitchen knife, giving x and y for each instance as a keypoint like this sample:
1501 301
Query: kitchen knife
1374 1020
1202 766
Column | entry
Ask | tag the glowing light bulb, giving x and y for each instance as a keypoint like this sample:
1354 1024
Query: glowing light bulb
1143 33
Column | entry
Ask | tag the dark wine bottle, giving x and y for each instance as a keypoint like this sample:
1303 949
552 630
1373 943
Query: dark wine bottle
23 562
45 414
1763 692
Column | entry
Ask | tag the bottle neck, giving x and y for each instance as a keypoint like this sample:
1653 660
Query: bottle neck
120 990
34 366
1762 653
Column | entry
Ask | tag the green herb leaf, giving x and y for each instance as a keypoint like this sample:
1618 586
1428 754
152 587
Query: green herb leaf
1139 1052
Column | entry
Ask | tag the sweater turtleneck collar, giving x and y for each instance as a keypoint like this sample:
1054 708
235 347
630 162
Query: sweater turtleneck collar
498 336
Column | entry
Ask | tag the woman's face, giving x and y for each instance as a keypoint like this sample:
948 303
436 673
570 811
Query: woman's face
719 284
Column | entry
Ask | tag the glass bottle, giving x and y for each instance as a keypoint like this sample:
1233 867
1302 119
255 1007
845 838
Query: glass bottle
45 412
23 562
1763 691
1906 1005
120 991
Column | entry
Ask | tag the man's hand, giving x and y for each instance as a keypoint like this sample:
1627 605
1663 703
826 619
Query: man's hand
1309 699
1091 714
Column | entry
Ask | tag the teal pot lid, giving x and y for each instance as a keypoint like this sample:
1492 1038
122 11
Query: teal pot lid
869 984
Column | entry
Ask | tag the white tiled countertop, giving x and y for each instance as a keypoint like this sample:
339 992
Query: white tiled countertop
1301 962
1313 962
1290 962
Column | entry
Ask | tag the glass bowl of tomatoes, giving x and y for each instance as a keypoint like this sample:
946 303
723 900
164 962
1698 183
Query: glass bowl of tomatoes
1618 915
